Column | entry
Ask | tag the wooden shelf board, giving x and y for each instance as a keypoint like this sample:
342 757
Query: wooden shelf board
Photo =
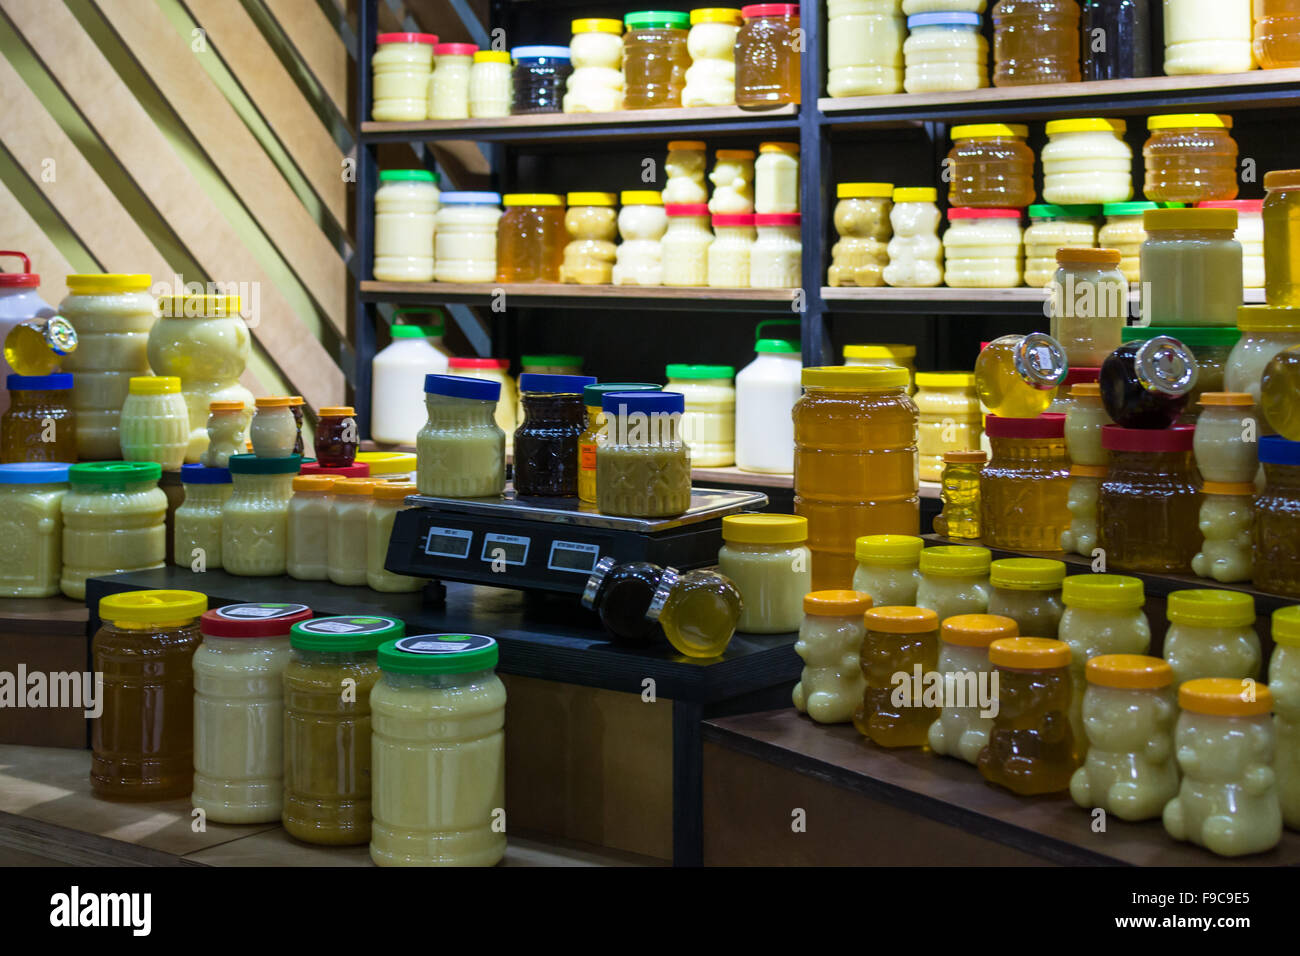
550 294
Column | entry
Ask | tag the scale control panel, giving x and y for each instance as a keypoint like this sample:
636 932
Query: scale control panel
511 550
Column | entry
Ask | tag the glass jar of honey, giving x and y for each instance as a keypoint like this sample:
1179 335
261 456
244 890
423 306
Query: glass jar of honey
767 55
337 439
990 166
531 238
643 468
1276 528
1146 385
655 58
546 442
898 640
1025 485
1190 157
698 611
38 424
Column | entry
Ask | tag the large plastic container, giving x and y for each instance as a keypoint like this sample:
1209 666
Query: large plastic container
766 392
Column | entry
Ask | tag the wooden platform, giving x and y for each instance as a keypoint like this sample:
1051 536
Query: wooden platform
47 635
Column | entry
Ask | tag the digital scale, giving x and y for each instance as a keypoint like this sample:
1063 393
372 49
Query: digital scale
551 544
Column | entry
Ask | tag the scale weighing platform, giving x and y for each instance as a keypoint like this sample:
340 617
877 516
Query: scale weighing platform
551 544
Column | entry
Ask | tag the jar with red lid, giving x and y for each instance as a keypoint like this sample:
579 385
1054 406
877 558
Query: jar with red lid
44 339
401 67
983 249
337 438
1149 504
1026 484
767 55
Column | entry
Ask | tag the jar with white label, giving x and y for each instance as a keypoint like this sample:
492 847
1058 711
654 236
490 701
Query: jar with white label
449 81
1208 36
686 244
685 167
1250 233
1124 231
642 223
401 67
915 251
864 47
709 422
465 241
491 86
255 518
711 77
777 255
733 241
1087 161
596 52
983 249
1052 228
945 53
776 178
406 205
733 182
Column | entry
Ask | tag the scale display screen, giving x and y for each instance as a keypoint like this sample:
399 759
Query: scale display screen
573 556
448 542
507 548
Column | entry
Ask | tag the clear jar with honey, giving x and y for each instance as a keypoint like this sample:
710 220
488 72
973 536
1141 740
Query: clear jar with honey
991 166
960 491
38 425
898 640
1016 376
1025 486
767 55
1276 527
1035 41
1190 158
1282 237
655 58
531 238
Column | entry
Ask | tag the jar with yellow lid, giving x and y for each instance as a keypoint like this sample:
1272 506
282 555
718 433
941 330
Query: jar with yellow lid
114 520
1129 710
954 580
899 640
1281 214
1265 331
684 169
642 222
491 85
1089 304
950 418
1284 683
112 314
864 47
196 525
1276 526
1190 157
1085 487
596 52
595 431
387 498
766 557
655 58
1216 39
255 518
830 639
306 551
1212 634
643 467
1226 440
732 177
401 66
530 238
963 731
345 548
1226 746
711 42
227 430
1087 161
592 225
888 568
154 424
1028 590
959 490
1191 267
1024 487
142 744
890 356
854 463
861 254
1225 523
990 166
1279 393
983 248
1032 747
1052 228
389 465
915 251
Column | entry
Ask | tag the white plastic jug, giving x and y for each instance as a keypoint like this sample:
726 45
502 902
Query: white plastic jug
766 390
397 390
19 301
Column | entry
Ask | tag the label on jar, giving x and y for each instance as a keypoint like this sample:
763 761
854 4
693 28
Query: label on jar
587 457
443 643
260 612
347 625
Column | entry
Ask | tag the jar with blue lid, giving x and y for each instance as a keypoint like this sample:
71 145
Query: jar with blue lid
460 451
1276 527
643 468
945 52
541 75
196 526
465 237
39 423
31 526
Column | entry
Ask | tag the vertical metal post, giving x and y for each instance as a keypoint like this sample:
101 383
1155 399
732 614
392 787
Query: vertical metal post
364 316
814 162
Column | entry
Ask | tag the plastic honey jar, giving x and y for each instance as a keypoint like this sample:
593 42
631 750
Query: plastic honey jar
990 166
1277 39
642 222
595 431
888 568
491 87
711 77
592 225
962 729
1087 161
709 422
732 177
860 255
1249 234
983 249
954 580
1281 215
1226 438
685 245
539 79
38 425
1276 527
1284 684
1226 744
1203 37
142 743
1191 267
864 47
114 520
1129 710
1089 305
306 552
154 423
899 640
387 498
596 52
766 557
31 498
196 524
1225 523
945 52
643 467
448 93
729 253
255 518
915 250
1025 485
531 238
776 178
1279 393
406 207
890 355
776 257
1051 229
950 418
1124 232
655 58
1190 157
1084 421
684 168
1212 634
1145 385
1266 330
498 371
546 441
465 242
959 490
345 548
1035 41
768 48
766 391
831 684
622 594
1148 505
227 429
401 66
1028 590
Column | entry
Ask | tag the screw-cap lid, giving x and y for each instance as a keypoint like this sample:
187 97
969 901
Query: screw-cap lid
1129 671
152 607
154 385
643 403
345 634
592 394
1276 450
24 278
1103 592
889 550
253 620
1179 438
700 372
1047 425
1029 653
1208 607
34 473
1165 365
204 475
864 191
462 386
657 20
765 529
408 175
1286 626
252 465
114 474
58 381
1027 574
439 654
1225 697
107 283
536 382
977 630
901 620
955 560
836 603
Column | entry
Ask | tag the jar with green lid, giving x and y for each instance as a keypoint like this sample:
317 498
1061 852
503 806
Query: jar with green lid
1284 683
114 520
1213 349
888 568
1212 634
643 468
709 423
595 431
333 666
439 752
1028 590
655 58
954 580
766 556
1052 228
255 518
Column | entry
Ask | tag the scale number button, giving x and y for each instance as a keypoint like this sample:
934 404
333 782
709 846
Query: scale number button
507 548
573 556
448 542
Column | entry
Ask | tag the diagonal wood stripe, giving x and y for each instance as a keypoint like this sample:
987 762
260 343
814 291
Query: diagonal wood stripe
321 48
18 230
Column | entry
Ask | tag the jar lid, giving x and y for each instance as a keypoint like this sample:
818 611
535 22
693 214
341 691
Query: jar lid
455 49
492 56
1189 121
198 306
1027 574
775 147
901 620
540 53
1129 671
1029 653
462 386
1236 399
686 209
394 490
889 550
715 15
551 361
977 630
344 634
1159 220
1053 211
955 560
765 344
687 144
1126 208
735 154
1154 440
1087 471
389 462
700 372
864 190
641 197
765 529
1286 626
34 473
1103 592
428 38
273 401
943 20
108 283
856 376
592 199
1282 179
469 198
1225 697
965 457
406 331
114 474
1190 335
898 352
252 465
1241 205
741 219
204 475
1090 125
25 278
919 193
1276 450
1165 365
408 176
945 379
777 219
1238 488
591 394
1268 318
770 10
337 411
836 603
1047 425
650 402
989 130
311 482
1085 389
967 212
1085 256
354 486
657 19
457 362
57 382
532 199
358 469
154 385
439 654
553 384
152 607
226 406
253 620
1207 607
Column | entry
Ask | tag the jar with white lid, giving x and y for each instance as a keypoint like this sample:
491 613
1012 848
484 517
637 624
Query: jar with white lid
950 419
255 518
401 67
591 221
915 251
864 47
711 77
1227 551
1250 233
686 244
776 178
860 255
1087 161
1208 36
945 53
684 169
776 258
1052 228
1265 331
406 206
596 52
733 182
1123 231
449 81
196 525
733 241
709 422
31 499
465 243
642 223
1089 305
983 249
1226 439
491 86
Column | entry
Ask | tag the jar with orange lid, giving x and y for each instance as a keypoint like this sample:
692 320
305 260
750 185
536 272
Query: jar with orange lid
306 551
491 87
227 430
990 166
1212 634
1031 748
1225 523
711 77
776 178
1226 440
1190 157
1148 504
1226 745
1023 488
530 238
1035 41
963 731
1284 683
954 580
854 463
1028 590
899 640
1281 215
337 439
1201 38
642 223
1089 304
655 58
1276 527
768 48
888 567
959 489
767 558
1084 420
1085 486
596 52
1191 267
1129 710
350 505
387 498
830 686
591 222
733 182
273 430
950 418
861 254
684 169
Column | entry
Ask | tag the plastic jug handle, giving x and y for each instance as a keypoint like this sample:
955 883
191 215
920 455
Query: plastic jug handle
758 329
27 263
